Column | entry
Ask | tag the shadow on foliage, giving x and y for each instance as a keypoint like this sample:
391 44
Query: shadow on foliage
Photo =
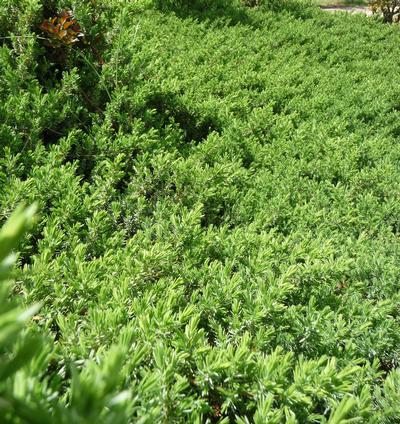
170 110
226 13
218 13
299 9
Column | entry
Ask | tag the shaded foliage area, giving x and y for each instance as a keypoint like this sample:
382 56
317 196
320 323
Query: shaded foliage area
219 216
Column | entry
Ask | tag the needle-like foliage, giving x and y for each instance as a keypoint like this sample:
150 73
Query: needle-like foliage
218 214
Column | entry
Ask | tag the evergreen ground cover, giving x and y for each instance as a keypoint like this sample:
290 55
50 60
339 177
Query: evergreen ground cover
218 229
343 2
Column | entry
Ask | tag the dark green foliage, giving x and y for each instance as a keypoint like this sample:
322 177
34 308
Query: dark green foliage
219 215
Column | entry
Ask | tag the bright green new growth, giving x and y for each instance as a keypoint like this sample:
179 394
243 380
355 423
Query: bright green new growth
218 237
14 352
21 354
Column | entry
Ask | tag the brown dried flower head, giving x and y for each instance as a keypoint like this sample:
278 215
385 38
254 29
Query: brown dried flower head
62 29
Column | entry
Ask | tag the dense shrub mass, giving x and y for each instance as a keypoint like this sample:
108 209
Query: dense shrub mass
219 216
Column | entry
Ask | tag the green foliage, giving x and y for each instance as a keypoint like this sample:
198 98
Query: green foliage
15 353
219 217
25 392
